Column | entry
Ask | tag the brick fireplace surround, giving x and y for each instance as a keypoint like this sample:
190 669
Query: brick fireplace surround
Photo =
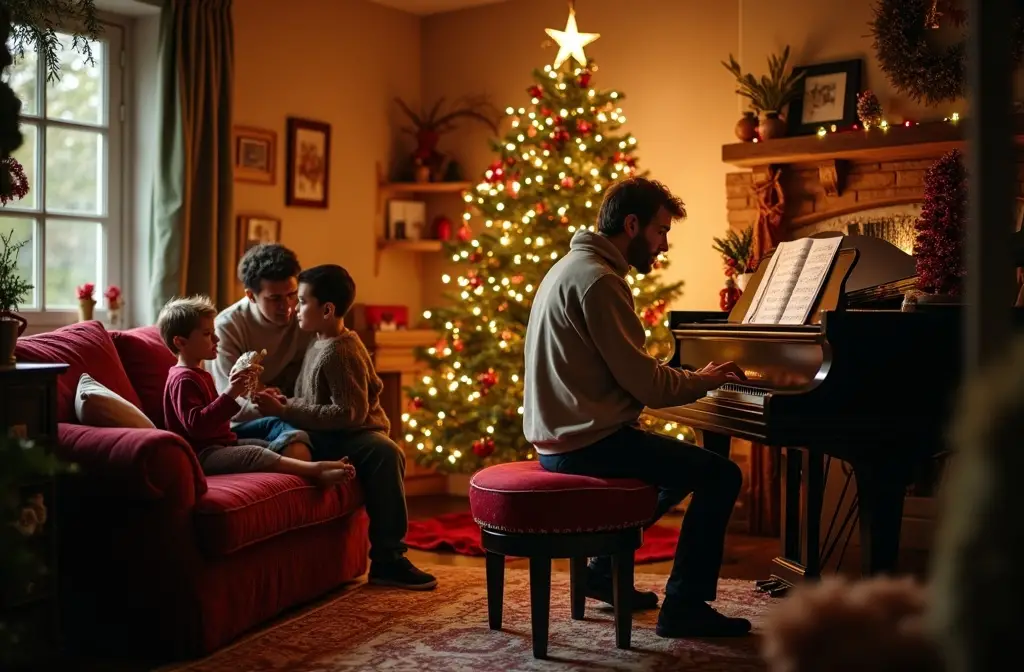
835 182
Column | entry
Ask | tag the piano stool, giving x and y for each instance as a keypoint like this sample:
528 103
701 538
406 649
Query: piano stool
525 511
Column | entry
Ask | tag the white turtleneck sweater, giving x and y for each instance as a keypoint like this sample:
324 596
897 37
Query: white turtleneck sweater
241 328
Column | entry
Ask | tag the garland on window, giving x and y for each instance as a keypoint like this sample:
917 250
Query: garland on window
915 66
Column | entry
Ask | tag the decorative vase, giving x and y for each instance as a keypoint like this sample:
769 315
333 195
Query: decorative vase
114 314
442 228
746 128
771 126
11 327
85 307
741 281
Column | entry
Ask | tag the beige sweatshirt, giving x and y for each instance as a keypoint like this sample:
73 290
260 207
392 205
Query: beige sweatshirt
241 328
337 389
587 371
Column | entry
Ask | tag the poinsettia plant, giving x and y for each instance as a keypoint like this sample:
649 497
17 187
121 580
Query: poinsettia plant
113 296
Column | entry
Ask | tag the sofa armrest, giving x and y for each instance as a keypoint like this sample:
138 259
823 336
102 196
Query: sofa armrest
148 464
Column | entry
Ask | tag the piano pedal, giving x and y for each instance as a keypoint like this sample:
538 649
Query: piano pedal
773 587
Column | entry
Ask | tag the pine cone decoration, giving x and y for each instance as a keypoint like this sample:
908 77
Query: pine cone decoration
869 110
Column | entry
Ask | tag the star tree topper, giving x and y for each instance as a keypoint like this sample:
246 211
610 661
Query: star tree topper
571 41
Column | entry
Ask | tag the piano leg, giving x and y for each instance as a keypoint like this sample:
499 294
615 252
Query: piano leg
803 489
880 492
720 444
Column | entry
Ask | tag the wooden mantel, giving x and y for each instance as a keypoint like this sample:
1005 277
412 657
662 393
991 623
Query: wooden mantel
897 143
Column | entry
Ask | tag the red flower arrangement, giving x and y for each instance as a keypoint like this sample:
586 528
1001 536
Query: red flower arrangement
86 291
113 296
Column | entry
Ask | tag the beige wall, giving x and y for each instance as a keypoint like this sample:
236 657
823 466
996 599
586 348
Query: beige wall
665 56
341 62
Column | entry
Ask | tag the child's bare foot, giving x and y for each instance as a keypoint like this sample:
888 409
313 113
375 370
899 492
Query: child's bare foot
329 477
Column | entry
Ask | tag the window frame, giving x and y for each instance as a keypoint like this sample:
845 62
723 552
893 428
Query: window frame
114 229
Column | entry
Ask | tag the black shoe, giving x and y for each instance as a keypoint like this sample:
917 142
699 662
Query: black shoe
400 573
698 619
599 587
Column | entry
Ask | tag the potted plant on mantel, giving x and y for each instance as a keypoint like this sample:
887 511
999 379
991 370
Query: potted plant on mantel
430 126
769 94
13 289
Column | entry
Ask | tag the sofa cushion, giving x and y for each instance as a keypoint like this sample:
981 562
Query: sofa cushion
238 510
146 361
86 348
97 406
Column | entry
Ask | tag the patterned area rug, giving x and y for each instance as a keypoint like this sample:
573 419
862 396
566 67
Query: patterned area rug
371 628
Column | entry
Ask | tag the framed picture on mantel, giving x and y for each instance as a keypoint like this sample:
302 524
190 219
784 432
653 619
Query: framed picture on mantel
828 96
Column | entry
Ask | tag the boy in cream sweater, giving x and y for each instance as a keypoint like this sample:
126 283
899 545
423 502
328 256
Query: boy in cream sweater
337 401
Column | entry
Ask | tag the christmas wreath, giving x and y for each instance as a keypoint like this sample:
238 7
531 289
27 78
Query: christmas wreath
913 65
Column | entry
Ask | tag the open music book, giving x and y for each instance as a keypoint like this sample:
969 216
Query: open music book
793 281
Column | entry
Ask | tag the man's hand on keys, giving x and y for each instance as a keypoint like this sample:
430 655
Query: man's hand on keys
719 374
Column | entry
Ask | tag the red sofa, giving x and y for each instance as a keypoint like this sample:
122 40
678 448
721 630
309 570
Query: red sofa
156 558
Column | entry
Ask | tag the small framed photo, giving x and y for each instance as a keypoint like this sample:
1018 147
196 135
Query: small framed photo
254 230
308 163
255 155
828 95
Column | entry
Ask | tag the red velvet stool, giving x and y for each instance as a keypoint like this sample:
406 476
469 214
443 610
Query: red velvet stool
525 511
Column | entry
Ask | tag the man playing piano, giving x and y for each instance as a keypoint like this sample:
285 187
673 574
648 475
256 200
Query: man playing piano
587 379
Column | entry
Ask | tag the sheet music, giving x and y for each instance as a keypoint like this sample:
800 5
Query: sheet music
759 294
784 277
808 284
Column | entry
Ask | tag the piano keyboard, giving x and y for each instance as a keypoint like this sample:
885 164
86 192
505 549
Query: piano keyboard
743 393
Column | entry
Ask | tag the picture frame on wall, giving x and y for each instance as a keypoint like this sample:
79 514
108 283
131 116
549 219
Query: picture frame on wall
255 151
828 96
308 163
253 230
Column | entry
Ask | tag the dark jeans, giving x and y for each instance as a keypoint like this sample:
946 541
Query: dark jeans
380 468
677 469
265 429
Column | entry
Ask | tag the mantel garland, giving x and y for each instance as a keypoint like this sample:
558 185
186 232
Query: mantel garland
915 66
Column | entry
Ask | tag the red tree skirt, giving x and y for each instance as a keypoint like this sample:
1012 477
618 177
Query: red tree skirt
459 533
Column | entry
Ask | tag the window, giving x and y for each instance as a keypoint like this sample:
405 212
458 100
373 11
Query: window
71 153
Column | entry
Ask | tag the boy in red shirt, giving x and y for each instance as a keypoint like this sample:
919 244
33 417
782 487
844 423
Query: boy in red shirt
194 410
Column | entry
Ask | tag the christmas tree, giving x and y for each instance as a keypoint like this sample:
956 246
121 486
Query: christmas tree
939 246
554 164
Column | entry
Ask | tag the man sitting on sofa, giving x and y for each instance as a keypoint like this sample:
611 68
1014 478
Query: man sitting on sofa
265 319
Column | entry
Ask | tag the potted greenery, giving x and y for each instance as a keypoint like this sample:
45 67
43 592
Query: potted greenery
769 94
737 253
13 289
428 128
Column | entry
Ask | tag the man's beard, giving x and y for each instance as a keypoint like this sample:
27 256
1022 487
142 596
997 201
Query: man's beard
639 255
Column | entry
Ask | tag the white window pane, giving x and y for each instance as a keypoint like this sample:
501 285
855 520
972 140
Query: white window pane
23 230
73 164
73 250
26 156
22 77
78 94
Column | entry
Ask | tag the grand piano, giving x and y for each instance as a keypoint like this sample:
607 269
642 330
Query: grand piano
862 381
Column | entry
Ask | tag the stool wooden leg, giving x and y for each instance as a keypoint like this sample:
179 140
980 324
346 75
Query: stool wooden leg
577 587
495 589
540 604
622 594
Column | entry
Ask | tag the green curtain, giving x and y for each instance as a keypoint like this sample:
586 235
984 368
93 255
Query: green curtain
191 230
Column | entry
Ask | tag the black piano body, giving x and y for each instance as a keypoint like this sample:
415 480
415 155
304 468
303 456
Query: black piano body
865 382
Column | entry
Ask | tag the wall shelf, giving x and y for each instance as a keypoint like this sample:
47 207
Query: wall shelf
387 189
415 246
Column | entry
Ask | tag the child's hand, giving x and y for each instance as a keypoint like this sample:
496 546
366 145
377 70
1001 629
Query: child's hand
239 382
269 404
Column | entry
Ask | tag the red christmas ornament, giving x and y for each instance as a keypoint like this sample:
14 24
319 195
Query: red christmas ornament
506 335
583 126
535 91
475 281
567 182
465 233
539 208
516 279
729 295
545 112
475 258
442 228
585 79
487 380
457 346
532 131
415 404
483 447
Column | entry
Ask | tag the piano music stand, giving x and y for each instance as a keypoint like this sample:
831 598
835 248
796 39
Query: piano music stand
830 298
